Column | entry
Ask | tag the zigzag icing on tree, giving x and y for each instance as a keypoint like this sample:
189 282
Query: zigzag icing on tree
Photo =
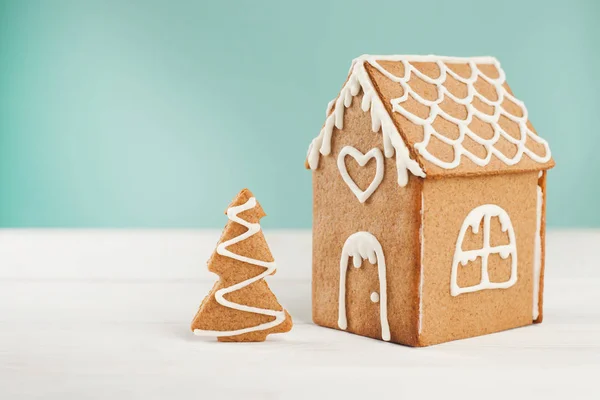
270 267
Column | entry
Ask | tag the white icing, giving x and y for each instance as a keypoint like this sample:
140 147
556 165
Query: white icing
380 120
269 266
537 254
422 266
364 246
361 159
359 79
329 107
473 221
375 297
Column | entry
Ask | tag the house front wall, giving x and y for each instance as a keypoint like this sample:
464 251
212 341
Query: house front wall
390 214
486 298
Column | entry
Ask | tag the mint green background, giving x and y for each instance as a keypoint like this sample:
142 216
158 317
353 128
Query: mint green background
154 114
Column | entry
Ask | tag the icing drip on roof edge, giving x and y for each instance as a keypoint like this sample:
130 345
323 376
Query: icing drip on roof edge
380 120
392 140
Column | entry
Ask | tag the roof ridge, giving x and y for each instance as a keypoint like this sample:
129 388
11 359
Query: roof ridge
428 58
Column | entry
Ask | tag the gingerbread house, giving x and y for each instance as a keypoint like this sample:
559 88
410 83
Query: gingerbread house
428 202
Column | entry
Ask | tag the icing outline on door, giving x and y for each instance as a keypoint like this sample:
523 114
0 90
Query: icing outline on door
363 246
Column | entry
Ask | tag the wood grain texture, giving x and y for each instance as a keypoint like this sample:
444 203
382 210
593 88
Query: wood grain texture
105 314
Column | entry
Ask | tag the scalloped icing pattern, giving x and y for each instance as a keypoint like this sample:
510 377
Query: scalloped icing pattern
392 141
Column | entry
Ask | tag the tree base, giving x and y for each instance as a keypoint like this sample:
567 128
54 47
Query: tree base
246 337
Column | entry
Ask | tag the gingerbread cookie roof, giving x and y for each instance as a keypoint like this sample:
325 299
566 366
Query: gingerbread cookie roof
439 116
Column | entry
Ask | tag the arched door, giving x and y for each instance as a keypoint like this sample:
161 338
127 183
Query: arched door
364 246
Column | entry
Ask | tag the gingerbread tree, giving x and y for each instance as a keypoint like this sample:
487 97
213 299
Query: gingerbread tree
241 307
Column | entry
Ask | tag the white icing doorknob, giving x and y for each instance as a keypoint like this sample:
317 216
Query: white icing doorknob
375 297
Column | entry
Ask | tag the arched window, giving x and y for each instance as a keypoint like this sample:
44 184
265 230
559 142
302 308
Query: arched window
462 257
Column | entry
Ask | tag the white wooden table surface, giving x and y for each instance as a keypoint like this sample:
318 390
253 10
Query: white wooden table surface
105 314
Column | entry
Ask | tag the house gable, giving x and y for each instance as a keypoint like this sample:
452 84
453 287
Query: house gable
390 214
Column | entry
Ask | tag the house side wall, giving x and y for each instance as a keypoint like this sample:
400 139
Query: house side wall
542 261
391 214
447 202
